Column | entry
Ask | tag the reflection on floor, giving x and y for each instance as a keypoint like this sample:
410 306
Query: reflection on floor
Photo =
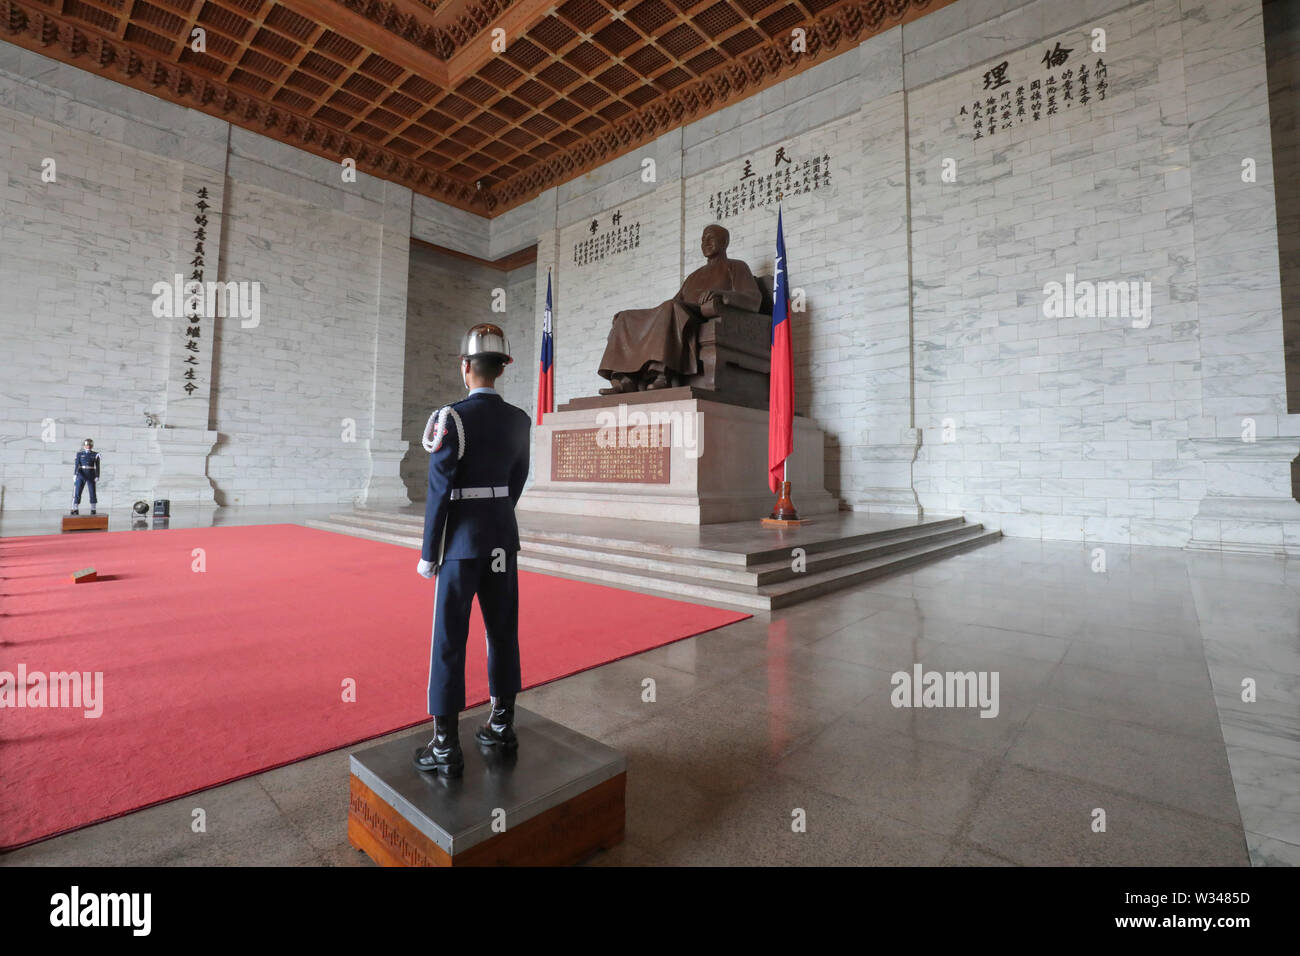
1118 690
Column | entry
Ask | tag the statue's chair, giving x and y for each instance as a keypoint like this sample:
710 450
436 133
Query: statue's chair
736 351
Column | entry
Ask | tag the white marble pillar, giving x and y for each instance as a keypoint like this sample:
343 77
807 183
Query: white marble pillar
1245 438
384 486
184 439
887 445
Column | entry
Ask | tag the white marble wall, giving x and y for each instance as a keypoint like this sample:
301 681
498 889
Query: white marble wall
846 252
1248 503
79 257
1282 28
592 293
446 296
304 370
924 297
1064 427
81 347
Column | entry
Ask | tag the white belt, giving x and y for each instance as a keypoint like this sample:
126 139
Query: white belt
500 491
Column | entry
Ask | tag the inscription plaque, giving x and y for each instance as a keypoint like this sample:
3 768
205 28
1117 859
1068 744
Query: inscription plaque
625 455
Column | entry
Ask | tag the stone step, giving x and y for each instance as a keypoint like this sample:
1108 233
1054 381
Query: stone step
753 575
767 597
911 539
789 592
767 556
403 538
380 519
775 555
682 587
711 576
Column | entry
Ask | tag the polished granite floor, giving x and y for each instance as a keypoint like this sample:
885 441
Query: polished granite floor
1118 691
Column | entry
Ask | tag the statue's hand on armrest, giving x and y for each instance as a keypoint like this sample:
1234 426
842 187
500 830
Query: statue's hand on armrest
711 303
744 301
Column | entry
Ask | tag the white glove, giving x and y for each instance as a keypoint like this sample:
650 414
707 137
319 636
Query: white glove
425 568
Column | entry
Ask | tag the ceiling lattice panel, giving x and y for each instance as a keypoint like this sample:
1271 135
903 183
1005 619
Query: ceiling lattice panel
414 91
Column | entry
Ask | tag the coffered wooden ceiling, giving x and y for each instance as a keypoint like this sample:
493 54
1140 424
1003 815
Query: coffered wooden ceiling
415 93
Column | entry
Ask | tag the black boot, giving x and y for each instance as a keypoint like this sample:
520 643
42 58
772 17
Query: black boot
442 754
73 511
499 731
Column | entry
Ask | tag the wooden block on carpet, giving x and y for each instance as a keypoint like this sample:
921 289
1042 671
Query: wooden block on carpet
82 576
85 522
556 801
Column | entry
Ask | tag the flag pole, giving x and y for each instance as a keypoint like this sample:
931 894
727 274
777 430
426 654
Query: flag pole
781 390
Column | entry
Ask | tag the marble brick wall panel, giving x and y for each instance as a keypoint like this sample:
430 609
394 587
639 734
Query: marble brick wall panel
78 258
1063 427
1282 29
519 383
392 303
593 293
1227 95
1072 427
872 388
447 295
850 342
449 227
284 388
516 229
116 225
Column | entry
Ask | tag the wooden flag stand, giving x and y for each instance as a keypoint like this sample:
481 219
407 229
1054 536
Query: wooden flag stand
783 513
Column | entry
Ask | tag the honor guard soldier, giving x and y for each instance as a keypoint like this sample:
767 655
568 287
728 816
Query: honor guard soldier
478 462
85 472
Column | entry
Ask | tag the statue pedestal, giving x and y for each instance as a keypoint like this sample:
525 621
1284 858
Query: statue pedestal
554 802
668 456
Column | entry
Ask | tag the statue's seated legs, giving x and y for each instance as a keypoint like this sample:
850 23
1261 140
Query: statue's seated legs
656 376
653 375
619 383
648 348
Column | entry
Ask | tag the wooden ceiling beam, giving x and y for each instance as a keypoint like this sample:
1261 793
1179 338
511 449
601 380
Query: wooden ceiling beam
517 20
401 44
372 36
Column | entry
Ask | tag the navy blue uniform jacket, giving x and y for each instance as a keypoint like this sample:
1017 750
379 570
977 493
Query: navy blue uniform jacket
496 454
86 465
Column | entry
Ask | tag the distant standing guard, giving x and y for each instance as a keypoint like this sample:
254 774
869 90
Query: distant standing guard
478 462
85 473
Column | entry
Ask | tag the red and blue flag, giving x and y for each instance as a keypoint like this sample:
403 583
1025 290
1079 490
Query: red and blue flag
546 370
780 422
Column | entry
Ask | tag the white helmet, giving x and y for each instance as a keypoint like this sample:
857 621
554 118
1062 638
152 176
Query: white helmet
486 340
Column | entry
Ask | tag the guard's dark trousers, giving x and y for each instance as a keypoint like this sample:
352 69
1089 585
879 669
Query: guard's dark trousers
77 483
498 600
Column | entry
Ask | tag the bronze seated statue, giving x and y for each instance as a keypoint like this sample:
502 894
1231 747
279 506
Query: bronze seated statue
714 334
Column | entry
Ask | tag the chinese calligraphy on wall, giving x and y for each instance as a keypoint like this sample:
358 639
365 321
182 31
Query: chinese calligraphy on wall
789 176
620 238
193 308
1006 103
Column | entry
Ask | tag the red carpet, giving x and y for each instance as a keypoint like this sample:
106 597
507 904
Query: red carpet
208 677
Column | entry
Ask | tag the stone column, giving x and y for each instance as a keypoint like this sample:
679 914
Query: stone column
885 442
184 439
1245 438
384 487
